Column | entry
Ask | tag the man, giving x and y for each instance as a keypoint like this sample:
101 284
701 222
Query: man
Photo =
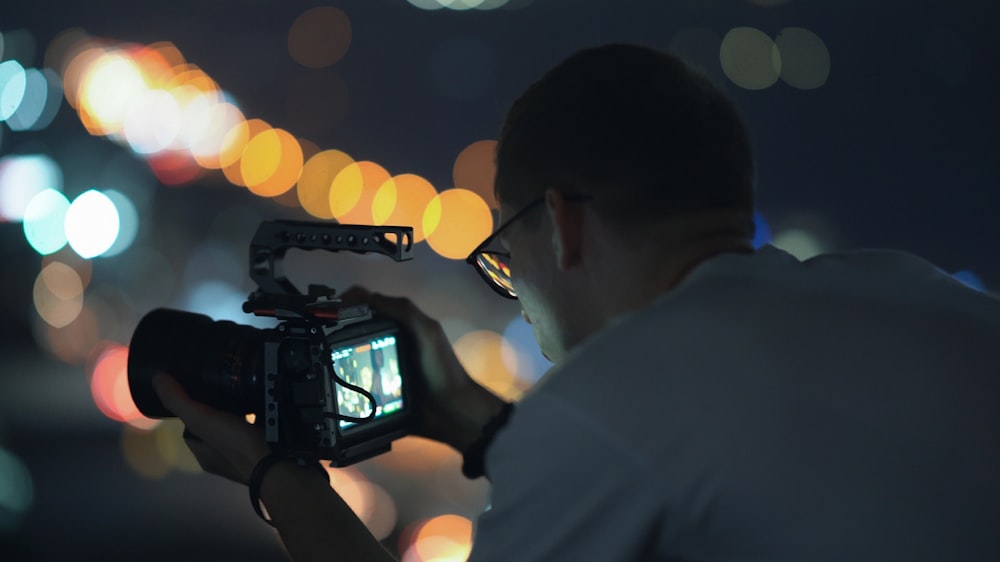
761 408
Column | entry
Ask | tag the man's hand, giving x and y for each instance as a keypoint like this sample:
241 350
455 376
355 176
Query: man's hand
224 443
453 407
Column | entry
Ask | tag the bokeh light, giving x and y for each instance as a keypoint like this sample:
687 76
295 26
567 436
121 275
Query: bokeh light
271 163
13 84
44 221
316 181
128 222
17 490
22 177
235 141
319 37
110 86
401 201
353 191
482 354
445 538
109 384
475 169
72 343
805 61
92 224
58 294
42 97
750 58
455 222
141 454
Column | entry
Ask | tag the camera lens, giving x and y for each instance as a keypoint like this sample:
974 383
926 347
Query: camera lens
219 363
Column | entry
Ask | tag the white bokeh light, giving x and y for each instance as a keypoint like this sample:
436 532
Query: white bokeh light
92 224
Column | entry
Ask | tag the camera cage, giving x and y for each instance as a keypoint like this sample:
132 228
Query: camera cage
319 318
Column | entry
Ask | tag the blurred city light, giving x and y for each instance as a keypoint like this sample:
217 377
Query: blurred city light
128 222
13 84
22 177
805 61
58 294
401 201
316 181
41 101
445 538
319 37
92 224
17 490
750 58
475 170
482 353
45 220
970 279
455 221
353 191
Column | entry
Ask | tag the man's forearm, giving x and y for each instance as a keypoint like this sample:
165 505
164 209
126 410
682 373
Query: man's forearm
315 524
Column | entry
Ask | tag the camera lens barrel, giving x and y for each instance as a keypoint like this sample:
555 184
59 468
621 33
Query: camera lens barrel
217 362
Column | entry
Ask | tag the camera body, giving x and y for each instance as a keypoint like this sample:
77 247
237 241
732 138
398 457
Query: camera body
330 382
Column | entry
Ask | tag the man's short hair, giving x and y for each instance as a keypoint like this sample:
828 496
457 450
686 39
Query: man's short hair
644 134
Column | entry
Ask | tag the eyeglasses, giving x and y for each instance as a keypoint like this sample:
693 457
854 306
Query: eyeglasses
494 265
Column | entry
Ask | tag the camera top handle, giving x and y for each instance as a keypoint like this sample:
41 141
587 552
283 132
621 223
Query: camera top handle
274 238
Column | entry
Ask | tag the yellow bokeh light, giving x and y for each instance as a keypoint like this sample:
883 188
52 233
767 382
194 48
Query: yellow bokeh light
401 201
749 58
142 454
482 353
805 61
169 439
319 37
455 222
271 163
475 169
235 141
316 182
110 85
353 191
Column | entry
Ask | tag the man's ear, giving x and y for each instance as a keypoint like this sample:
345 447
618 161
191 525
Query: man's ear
567 228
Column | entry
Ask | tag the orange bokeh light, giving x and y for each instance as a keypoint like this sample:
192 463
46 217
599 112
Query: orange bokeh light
316 181
475 169
271 163
445 538
455 222
319 37
485 355
235 141
353 191
401 201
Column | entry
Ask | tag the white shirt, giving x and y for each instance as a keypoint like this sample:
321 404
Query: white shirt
842 408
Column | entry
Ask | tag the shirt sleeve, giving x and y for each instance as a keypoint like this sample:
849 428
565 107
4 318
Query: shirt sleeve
565 488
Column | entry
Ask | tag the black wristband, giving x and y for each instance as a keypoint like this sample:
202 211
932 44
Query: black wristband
263 465
474 458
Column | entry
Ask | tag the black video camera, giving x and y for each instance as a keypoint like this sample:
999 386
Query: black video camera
330 382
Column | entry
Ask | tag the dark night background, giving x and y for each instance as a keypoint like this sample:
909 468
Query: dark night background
899 148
